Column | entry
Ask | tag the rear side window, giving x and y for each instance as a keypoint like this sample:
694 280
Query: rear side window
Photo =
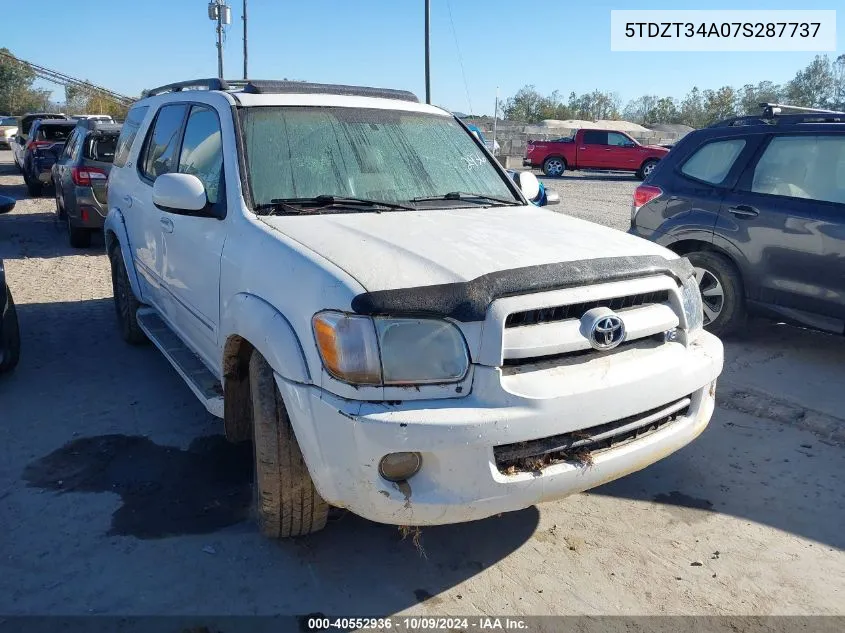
128 133
101 148
69 145
595 138
160 154
55 133
712 162
803 166
202 150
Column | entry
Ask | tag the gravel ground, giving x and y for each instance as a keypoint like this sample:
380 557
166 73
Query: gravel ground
118 495
601 197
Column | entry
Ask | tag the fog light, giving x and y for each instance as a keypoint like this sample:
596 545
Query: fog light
399 466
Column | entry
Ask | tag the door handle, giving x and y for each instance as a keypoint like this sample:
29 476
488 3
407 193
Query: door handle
743 211
166 224
128 200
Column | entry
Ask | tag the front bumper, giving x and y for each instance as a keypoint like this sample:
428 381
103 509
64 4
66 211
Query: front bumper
527 162
343 441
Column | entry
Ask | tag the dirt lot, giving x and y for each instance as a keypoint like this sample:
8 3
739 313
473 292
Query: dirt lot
118 495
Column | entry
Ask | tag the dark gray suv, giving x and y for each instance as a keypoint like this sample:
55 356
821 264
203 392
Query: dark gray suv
758 206
80 176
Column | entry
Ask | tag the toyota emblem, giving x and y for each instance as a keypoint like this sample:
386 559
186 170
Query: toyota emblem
607 332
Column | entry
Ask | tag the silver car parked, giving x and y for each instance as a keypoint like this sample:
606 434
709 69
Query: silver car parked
80 176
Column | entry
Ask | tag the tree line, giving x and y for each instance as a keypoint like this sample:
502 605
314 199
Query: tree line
820 85
19 96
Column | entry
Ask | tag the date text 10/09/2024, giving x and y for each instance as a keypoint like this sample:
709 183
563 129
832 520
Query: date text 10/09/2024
417 623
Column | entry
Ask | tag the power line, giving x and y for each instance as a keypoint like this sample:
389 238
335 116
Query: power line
460 57
62 79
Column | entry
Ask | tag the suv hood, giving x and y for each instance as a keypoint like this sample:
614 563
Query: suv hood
390 250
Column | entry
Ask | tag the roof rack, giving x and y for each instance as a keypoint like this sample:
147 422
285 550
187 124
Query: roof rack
259 86
772 110
194 84
773 114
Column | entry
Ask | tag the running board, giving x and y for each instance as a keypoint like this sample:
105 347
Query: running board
187 364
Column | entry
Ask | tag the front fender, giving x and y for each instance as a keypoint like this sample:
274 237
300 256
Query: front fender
269 332
116 235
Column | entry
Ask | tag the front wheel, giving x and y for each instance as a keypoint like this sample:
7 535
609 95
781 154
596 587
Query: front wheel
722 293
288 503
125 304
554 166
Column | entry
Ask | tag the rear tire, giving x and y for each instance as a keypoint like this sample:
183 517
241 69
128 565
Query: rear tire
288 504
554 166
11 341
125 304
722 292
78 237
646 169
33 188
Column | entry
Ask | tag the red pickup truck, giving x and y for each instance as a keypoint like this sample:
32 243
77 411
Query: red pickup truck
594 149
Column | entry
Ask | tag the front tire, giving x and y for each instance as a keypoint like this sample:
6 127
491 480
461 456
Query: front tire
554 166
722 292
11 341
60 208
288 503
125 304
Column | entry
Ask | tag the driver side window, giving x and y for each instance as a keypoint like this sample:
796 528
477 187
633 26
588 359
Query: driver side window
619 140
202 150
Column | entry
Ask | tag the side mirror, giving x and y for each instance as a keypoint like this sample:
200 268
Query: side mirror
19 139
528 183
6 204
180 193
552 197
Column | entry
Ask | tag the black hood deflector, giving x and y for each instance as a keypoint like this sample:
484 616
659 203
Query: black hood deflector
468 301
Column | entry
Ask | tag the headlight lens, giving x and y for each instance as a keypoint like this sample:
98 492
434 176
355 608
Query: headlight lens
693 307
390 351
348 347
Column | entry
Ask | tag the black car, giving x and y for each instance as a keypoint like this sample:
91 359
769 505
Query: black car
46 141
757 204
10 337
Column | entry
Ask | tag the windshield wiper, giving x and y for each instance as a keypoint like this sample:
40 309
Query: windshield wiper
304 206
469 197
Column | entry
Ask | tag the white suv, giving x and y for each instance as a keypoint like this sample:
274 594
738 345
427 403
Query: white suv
347 277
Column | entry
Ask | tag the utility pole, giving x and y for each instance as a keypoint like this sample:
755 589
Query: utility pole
495 118
245 46
220 12
428 51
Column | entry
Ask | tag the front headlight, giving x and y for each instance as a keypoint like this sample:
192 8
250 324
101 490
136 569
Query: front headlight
390 351
693 306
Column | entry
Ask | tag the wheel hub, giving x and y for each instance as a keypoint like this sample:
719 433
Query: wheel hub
712 294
